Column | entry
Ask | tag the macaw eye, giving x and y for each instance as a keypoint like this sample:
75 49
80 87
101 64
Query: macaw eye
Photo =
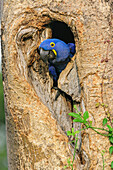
52 44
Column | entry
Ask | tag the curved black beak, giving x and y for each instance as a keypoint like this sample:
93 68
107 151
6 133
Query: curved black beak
47 55
44 55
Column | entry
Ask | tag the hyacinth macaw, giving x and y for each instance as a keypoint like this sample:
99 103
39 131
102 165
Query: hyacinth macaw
56 54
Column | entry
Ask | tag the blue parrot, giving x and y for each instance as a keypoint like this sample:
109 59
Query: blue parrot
56 54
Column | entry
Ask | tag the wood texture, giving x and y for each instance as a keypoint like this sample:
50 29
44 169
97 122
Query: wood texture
36 123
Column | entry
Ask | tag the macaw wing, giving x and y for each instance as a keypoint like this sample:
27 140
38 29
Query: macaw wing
60 65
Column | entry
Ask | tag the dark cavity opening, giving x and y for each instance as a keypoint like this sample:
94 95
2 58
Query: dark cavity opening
61 31
27 38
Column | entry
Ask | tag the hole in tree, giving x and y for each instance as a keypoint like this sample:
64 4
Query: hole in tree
61 31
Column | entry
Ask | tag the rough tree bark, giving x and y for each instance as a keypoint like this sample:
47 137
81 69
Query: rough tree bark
36 123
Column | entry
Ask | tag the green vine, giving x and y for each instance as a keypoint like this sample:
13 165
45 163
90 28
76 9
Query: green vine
102 153
107 131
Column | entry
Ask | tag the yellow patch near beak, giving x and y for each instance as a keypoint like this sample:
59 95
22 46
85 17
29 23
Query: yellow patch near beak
54 52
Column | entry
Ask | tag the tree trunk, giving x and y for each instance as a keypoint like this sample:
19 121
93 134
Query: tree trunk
36 122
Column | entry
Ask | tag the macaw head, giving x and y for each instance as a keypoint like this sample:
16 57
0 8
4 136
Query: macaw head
47 51
51 49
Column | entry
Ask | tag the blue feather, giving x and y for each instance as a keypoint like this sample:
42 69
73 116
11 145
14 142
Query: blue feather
58 54
72 48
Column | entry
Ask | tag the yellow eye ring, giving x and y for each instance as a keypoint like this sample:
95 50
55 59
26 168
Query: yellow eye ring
52 44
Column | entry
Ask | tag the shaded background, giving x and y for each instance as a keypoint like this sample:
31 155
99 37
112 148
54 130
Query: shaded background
3 152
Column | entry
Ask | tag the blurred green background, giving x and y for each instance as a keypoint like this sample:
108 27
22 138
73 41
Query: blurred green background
3 151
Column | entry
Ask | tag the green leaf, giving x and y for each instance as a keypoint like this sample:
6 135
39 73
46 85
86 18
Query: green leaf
73 133
69 133
76 132
76 115
97 105
108 114
86 115
110 134
76 138
112 164
102 104
69 161
111 139
65 166
80 113
90 123
78 120
104 121
110 128
106 105
111 150
75 107
103 151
